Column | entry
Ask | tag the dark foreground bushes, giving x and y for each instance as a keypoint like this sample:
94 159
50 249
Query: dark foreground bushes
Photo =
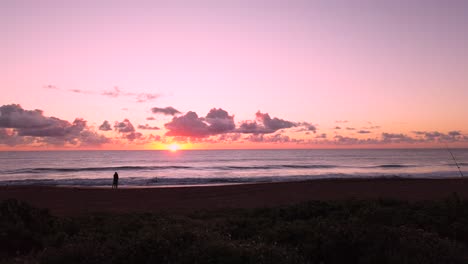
316 232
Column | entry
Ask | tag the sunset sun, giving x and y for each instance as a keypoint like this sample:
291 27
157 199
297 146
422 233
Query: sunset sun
173 147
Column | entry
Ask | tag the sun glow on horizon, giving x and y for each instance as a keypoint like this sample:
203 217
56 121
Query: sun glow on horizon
173 147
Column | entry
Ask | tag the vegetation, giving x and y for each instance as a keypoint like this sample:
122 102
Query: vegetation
378 231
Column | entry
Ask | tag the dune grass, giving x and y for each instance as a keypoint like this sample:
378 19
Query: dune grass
353 231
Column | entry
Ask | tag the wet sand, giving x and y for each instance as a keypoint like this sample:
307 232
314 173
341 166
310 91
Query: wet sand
77 201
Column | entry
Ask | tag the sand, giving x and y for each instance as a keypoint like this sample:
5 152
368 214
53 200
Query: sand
78 201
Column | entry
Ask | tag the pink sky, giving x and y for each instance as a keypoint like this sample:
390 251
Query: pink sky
395 71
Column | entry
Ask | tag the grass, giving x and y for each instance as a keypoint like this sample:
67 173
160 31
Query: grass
354 231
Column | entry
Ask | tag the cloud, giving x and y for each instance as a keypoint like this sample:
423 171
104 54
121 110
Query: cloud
230 137
342 140
146 97
337 128
307 127
105 126
267 124
436 136
150 118
217 121
80 91
91 138
188 125
275 123
115 92
165 110
323 135
397 138
112 93
350 128
9 137
139 97
371 127
341 121
363 132
148 127
127 130
33 126
133 136
50 86
454 133
124 126
262 138
14 116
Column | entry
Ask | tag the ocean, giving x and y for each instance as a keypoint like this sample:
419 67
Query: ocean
211 167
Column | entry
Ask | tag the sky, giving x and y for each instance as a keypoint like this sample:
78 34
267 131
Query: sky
233 74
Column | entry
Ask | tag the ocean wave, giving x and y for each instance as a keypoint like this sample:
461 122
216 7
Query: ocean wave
172 181
118 168
153 168
390 166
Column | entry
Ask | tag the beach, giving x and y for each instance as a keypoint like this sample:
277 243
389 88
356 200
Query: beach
72 201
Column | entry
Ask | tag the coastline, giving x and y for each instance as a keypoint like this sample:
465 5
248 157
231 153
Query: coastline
78 200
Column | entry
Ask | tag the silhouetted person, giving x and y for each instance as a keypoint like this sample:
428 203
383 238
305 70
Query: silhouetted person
115 183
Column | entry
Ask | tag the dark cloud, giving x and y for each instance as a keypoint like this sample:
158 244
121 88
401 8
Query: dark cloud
397 138
150 118
251 127
230 137
32 126
91 138
346 140
454 133
276 138
267 125
165 110
275 123
342 140
127 130
188 125
307 127
436 136
337 128
323 135
350 128
133 136
124 126
371 127
105 126
34 123
363 132
433 135
148 127
217 121
14 116
10 137
50 86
